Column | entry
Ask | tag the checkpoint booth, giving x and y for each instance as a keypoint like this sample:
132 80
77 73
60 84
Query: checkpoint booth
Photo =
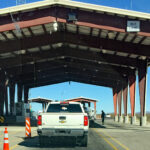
23 110
84 101
42 101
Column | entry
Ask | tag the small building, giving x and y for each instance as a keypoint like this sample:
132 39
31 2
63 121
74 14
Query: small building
84 101
40 100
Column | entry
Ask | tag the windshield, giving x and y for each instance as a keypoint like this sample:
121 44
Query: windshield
72 108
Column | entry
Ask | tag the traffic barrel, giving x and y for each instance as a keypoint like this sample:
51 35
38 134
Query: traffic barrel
28 128
6 143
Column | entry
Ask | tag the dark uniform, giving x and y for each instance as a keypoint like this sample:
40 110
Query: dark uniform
103 117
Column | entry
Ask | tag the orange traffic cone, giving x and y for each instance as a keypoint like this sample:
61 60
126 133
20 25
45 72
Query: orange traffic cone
28 127
6 144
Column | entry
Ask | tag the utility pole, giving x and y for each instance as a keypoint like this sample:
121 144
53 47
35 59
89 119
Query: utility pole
131 4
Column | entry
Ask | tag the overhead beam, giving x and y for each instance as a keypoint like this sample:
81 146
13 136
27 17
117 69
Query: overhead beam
85 18
47 64
67 69
62 37
75 73
60 78
69 52
41 67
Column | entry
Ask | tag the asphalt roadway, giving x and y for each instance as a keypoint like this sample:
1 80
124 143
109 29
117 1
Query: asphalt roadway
111 136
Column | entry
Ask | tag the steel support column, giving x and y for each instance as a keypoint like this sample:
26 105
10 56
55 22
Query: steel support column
132 83
2 85
95 108
26 94
115 103
43 107
125 102
1 100
83 104
1 105
142 71
120 119
6 100
12 97
19 92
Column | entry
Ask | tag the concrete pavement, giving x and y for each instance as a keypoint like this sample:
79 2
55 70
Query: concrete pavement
111 136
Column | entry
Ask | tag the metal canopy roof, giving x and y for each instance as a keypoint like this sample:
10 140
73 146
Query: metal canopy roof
40 100
74 4
83 99
96 49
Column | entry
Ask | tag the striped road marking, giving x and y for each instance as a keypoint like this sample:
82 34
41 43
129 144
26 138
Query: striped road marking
116 141
14 146
107 141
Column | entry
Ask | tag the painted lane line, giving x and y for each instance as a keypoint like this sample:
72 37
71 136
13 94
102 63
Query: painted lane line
9 136
11 148
108 142
14 147
118 142
10 141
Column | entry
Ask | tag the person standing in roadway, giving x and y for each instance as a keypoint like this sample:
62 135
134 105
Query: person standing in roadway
103 117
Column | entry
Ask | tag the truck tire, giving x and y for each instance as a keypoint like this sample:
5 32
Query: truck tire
84 141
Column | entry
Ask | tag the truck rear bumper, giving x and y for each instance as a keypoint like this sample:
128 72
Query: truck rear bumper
61 132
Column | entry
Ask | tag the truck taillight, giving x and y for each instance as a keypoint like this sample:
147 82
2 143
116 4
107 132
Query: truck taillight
85 120
39 122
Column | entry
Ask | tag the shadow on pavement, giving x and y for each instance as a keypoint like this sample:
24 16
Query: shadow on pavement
59 142
128 127
96 125
110 124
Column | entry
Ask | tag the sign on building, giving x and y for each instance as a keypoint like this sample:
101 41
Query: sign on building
133 26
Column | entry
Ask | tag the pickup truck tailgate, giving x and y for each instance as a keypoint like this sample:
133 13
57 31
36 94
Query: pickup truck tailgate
64 119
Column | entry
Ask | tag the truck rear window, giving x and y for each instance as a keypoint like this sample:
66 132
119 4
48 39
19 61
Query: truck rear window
71 108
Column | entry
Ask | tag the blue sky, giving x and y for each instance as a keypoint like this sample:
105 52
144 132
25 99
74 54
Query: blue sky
137 5
104 95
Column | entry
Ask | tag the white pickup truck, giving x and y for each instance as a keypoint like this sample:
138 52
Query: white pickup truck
63 119
91 114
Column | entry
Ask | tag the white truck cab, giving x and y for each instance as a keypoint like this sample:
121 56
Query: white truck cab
63 119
